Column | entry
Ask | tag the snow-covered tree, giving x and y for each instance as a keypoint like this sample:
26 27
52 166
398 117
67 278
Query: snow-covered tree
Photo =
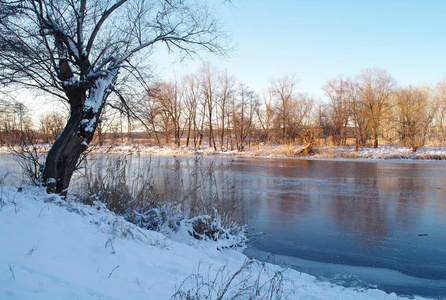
76 49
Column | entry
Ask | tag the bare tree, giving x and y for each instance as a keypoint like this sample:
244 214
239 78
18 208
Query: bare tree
243 112
359 115
148 110
374 88
226 90
75 50
337 91
266 115
51 125
415 111
440 116
191 90
284 91
104 125
301 114
323 121
16 124
170 105
209 94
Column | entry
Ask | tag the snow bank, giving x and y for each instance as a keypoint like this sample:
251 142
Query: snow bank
327 152
55 249
278 151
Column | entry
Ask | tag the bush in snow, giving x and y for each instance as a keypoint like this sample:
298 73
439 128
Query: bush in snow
253 280
201 200
31 159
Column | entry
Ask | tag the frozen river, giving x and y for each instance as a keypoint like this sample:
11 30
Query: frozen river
357 223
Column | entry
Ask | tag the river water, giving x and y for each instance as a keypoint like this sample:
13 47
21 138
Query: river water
356 223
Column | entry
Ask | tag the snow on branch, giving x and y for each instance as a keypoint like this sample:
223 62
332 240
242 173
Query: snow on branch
62 36
100 89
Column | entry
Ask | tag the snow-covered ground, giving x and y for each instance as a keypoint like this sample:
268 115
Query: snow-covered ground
56 249
328 152
382 152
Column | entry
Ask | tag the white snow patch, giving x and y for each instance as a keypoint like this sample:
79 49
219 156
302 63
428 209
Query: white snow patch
97 96
51 180
436 153
56 249
426 153
73 47
91 123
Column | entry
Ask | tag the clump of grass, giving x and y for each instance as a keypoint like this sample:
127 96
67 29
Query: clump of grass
431 156
253 280
349 154
166 195
31 159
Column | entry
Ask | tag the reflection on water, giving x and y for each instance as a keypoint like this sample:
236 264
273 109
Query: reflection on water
371 214
10 172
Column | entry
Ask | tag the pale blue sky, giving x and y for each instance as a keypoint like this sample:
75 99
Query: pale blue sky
317 40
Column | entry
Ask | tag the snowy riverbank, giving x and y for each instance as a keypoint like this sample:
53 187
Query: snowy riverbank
383 152
55 249
280 151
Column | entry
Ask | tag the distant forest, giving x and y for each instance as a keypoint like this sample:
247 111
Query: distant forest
210 108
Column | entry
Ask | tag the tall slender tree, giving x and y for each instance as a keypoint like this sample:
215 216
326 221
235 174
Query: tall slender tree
337 90
191 90
226 90
284 89
209 95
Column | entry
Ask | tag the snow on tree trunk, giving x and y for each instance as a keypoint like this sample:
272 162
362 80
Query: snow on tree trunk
74 140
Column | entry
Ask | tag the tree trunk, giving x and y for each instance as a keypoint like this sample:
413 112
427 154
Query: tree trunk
178 137
188 133
155 133
63 156
375 142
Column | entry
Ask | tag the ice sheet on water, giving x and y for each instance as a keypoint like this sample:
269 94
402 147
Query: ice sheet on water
359 278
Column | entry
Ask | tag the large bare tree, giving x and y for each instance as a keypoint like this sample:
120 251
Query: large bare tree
170 105
374 88
284 90
440 116
75 50
414 112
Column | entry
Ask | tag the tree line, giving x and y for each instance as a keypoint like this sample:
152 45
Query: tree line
210 108
18 128
371 106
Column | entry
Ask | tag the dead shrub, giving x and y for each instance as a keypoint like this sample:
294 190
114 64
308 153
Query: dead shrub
204 199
